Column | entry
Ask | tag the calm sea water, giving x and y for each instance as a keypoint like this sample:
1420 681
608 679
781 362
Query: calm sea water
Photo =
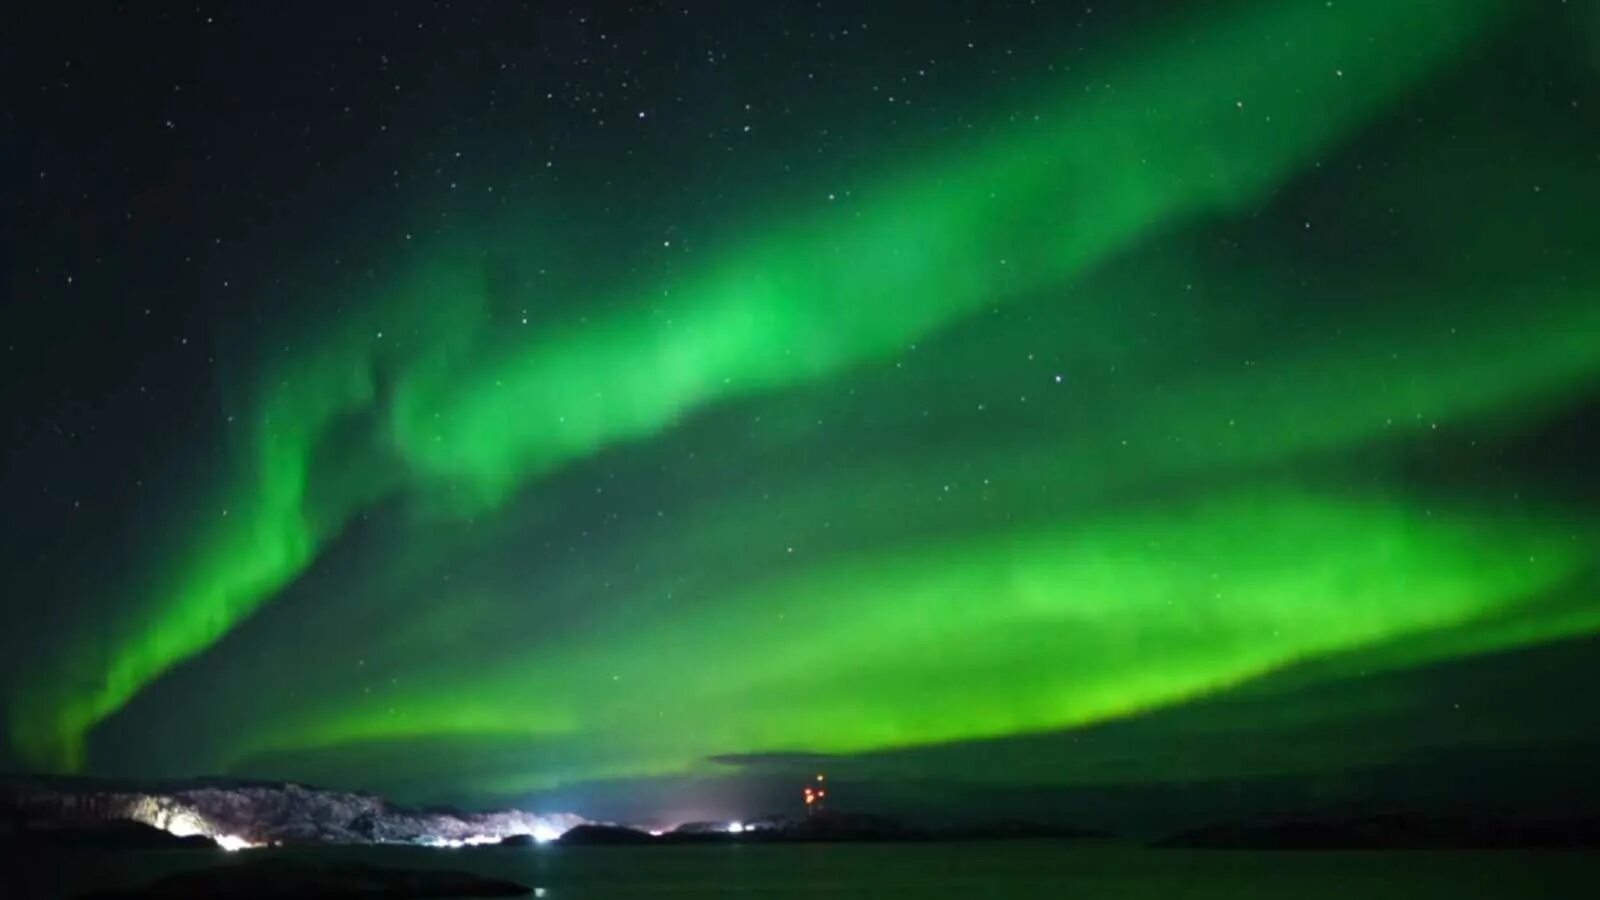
999 870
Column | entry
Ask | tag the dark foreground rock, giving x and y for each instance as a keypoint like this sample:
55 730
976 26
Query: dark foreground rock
283 879
1390 832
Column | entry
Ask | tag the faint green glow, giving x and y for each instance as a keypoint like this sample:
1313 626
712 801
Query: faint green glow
1203 122
997 635
1064 621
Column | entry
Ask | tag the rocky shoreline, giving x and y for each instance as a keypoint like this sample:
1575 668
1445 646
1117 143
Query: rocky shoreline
236 813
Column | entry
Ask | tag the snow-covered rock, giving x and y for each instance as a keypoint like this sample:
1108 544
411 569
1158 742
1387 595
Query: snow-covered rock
245 813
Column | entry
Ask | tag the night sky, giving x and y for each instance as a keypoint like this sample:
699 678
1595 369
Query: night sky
1122 412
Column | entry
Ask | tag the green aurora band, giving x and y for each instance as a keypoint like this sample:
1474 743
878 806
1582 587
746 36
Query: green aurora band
1068 613
1013 634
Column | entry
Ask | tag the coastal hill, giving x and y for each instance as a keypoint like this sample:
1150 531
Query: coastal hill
253 813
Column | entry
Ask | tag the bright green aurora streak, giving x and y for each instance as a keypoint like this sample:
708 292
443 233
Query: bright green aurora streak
1068 614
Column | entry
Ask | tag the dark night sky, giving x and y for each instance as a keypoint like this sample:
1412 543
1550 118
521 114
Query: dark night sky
1130 412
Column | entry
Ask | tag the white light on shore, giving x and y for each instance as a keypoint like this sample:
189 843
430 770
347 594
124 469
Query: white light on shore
178 823
471 840
232 842
735 827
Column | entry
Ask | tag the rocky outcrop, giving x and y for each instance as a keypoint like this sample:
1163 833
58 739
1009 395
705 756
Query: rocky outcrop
257 813
603 835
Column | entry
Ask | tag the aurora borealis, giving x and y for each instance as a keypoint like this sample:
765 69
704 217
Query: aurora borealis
1043 374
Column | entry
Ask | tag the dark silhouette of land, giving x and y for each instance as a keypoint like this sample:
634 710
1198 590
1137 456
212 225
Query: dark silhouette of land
110 834
822 827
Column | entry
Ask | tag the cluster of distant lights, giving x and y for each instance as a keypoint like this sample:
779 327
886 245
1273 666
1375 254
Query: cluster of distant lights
815 794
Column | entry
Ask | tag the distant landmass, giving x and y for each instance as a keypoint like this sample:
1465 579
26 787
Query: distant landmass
604 836
828 826
238 813
87 813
